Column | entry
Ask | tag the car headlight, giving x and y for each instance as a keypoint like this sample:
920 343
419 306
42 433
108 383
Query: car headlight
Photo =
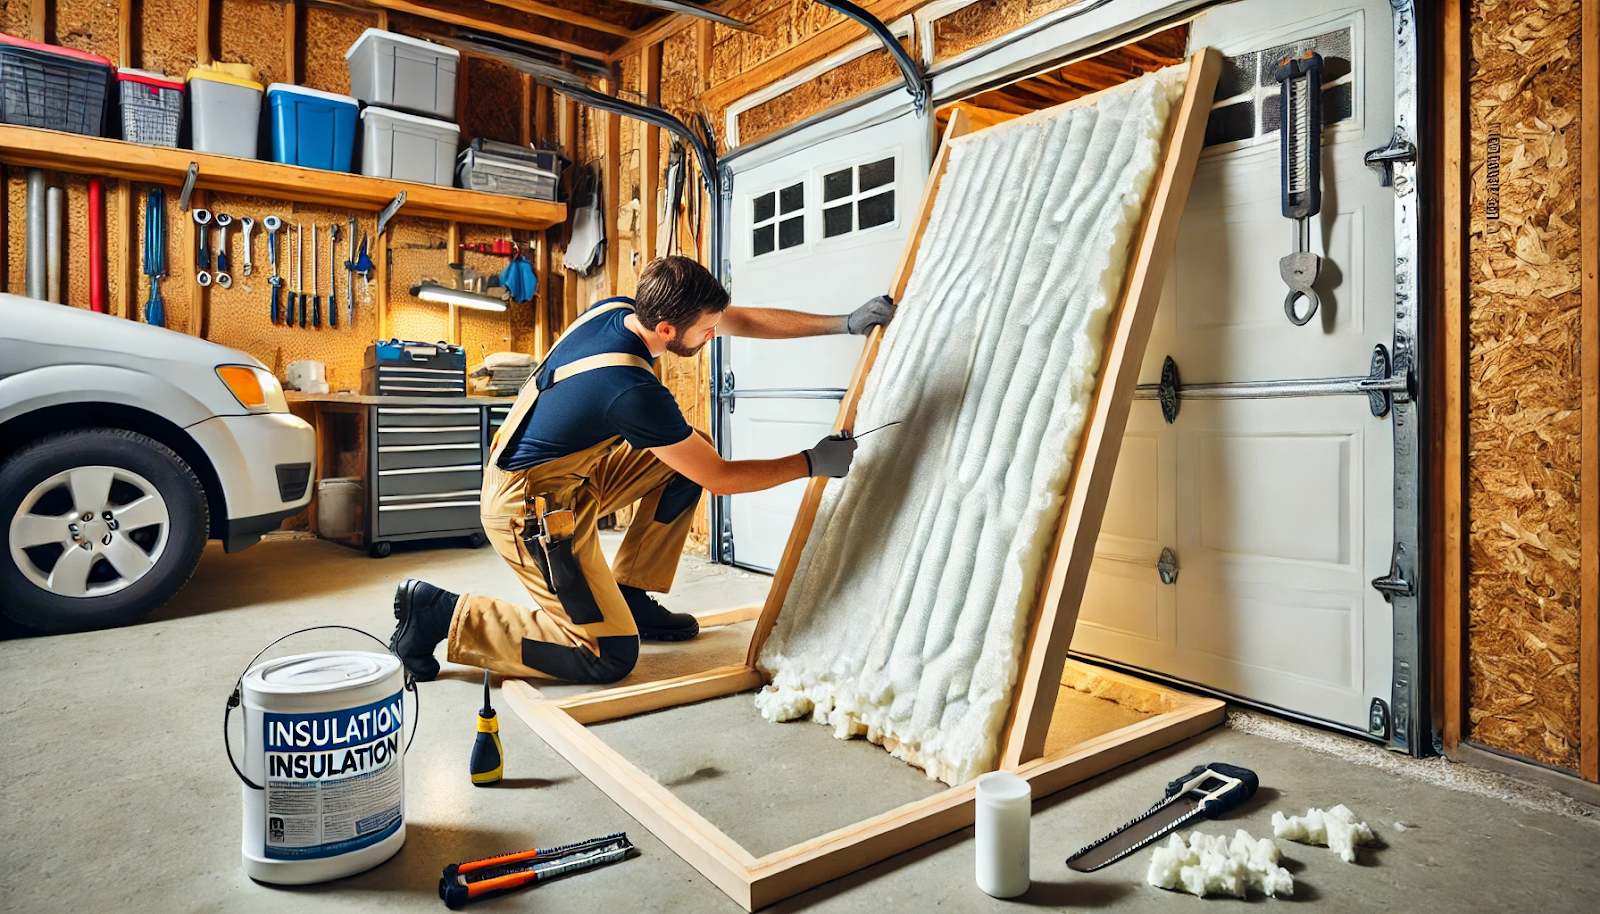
255 388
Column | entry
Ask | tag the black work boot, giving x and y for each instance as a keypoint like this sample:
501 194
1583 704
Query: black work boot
656 622
422 614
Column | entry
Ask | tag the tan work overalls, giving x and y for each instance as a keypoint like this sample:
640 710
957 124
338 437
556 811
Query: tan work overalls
545 640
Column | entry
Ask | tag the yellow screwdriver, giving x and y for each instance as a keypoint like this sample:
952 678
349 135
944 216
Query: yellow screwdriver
488 761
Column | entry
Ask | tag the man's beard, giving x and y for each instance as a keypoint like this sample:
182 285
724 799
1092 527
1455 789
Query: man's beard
676 347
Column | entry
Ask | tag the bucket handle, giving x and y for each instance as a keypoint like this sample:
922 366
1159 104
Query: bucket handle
238 694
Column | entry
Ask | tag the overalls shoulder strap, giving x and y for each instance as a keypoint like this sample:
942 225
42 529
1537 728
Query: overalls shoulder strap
531 390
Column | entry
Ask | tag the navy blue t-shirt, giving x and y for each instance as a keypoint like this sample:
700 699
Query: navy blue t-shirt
588 408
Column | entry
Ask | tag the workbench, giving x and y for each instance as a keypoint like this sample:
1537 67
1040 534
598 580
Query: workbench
419 461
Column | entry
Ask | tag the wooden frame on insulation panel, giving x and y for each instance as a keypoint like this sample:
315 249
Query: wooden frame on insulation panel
755 882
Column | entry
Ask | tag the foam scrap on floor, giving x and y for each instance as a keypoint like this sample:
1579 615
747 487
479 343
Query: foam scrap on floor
1213 865
1336 829
907 613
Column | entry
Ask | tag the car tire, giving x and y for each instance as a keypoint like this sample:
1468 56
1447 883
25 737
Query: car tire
149 516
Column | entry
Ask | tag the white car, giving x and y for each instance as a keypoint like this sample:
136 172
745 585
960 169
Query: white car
123 448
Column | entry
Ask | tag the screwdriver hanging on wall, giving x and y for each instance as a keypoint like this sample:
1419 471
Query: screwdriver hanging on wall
333 275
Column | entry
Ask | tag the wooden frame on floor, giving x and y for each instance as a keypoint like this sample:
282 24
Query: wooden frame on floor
755 882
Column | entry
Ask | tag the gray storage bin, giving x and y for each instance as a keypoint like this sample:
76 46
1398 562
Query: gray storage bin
224 113
407 147
398 71
496 175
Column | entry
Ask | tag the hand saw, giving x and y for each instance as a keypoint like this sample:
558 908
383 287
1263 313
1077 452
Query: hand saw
1204 793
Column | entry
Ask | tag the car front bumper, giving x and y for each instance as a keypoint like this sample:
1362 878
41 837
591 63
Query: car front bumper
265 464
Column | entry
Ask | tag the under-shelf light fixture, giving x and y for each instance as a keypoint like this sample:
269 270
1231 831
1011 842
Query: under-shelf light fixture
428 290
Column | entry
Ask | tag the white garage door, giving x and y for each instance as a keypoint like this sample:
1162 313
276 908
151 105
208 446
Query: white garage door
815 229
1278 513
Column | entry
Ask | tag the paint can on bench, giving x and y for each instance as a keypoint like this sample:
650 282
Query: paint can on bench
323 763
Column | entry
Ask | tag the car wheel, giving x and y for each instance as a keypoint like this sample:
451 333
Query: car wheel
102 526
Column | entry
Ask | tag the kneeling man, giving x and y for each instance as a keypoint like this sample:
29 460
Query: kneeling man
593 431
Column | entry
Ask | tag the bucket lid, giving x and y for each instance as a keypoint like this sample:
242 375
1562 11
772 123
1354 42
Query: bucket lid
321 671
382 35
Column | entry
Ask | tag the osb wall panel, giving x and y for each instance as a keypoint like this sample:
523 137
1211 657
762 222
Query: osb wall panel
16 17
865 73
417 252
168 36
986 20
1524 400
87 25
777 26
251 31
326 33
494 104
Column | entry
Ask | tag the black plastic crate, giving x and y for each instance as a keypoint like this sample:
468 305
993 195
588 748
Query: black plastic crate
152 107
51 87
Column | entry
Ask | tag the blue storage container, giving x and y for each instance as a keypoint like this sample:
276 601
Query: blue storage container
312 128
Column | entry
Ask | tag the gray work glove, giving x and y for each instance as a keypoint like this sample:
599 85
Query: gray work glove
875 312
831 456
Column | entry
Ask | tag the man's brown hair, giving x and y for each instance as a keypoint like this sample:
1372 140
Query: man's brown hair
677 290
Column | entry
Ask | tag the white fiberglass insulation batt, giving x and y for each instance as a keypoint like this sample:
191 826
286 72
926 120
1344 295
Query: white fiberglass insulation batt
1213 865
906 617
1336 829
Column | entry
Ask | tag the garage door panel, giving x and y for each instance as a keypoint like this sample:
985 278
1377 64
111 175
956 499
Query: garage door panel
1254 500
1121 597
763 429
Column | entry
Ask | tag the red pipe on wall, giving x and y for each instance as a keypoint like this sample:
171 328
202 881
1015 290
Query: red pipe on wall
97 247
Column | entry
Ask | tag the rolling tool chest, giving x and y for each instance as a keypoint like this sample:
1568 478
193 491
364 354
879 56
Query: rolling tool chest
419 461
426 469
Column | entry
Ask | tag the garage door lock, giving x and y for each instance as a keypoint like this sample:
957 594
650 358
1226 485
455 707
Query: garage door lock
1388 381
1167 566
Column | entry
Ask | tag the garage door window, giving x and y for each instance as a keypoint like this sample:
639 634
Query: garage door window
858 197
1246 102
778 220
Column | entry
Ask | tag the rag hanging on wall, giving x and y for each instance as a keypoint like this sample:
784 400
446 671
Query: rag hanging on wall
667 242
587 250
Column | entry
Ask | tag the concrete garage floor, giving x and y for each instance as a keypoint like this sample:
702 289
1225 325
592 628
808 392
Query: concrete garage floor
115 796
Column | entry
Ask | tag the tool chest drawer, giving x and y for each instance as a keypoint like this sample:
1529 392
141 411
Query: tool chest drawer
395 416
429 481
444 515
411 456
411 435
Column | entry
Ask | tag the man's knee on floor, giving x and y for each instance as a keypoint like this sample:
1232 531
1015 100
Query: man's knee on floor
617 658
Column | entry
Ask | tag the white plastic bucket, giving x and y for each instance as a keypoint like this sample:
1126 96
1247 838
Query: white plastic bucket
325 741
338 507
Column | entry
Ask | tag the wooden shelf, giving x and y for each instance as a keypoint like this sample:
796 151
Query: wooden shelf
34 148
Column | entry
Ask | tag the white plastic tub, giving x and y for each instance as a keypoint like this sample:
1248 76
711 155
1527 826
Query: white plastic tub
407 147
224 113
398 71
338 507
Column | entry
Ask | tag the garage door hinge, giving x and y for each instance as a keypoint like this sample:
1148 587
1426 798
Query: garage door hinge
726 390
1397 583
1384 158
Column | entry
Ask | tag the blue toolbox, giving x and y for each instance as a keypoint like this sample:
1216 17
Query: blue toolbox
410 369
